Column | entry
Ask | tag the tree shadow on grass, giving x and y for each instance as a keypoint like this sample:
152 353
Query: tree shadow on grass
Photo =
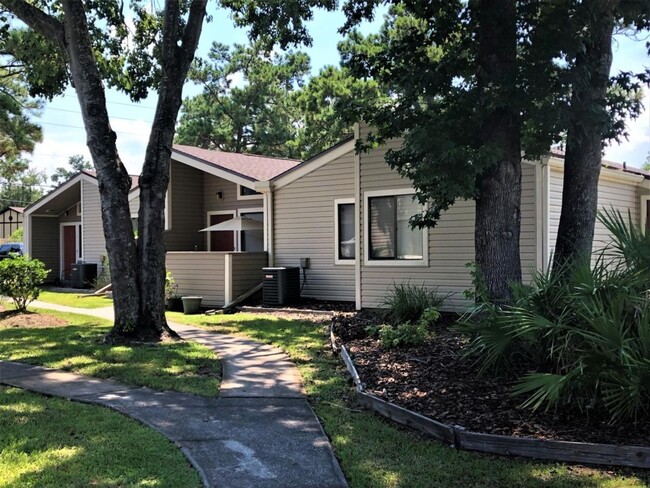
180 366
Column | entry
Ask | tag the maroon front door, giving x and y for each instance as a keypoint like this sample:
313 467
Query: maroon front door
69 249
221 240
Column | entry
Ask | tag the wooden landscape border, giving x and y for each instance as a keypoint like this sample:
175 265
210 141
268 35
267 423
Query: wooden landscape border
460 438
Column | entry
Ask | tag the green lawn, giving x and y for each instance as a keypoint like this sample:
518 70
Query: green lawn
74 299
49 442
376 453
180 366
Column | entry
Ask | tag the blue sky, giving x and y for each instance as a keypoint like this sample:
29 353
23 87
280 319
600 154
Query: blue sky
63 133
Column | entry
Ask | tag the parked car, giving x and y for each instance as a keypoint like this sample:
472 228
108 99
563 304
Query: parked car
11 249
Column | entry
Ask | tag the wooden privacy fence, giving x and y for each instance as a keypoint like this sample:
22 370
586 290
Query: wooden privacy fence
460 438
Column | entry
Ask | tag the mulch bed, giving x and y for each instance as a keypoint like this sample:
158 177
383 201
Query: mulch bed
436 381
28 320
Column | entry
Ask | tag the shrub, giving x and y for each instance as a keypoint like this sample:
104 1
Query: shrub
20 278
583 332
171 288
407 303
403 335
16 236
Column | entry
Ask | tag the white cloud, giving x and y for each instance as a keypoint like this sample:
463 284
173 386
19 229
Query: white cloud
635 149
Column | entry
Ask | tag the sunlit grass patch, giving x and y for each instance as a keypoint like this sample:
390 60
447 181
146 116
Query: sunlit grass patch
172 365
49 442
74 299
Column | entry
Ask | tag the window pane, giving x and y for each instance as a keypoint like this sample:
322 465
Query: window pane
382 228
346 231
253 240
245 191
409 241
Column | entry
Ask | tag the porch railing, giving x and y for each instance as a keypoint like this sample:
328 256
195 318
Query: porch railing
219 277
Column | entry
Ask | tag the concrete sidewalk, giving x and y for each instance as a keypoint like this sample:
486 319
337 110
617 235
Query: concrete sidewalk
260 432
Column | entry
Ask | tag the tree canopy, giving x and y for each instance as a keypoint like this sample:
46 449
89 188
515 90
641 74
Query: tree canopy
261 102
76 164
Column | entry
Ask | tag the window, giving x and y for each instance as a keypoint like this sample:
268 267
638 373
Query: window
390 236
344 235
245 193
252 240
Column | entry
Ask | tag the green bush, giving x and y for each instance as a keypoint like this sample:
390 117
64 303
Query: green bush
406 334
403 335
407 303
20 279
584 333
16 236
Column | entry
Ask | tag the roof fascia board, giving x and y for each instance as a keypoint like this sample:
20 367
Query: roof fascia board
57 191
314 164
606 173
210 169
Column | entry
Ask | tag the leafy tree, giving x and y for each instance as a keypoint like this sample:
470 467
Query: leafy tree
17 132
259 102
247 103
97 48
597 109
77 163
646 165
462 95
19 184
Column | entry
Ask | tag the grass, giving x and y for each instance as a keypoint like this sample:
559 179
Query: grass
181 366
49 442
74 300
375 453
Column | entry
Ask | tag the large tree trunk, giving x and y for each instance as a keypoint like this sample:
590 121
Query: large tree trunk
114 180
498 212
175 63
137 271
588 121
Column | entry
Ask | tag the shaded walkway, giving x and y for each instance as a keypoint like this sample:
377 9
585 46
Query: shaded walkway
260 432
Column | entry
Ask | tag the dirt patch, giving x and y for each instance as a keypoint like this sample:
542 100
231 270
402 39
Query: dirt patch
435 380
28 320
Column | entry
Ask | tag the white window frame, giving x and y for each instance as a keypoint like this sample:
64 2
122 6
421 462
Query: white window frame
242 211
247 197
235 243
78 248
644 211
408 263
337 202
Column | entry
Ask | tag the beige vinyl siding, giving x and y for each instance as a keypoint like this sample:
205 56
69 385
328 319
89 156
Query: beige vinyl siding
93 242
612 193
72 215
199 274
304 227
134 206
247 271
187 214
45 243
528 239
450 243
214 184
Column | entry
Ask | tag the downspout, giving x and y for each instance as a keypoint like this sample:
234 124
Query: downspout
358 299
266 189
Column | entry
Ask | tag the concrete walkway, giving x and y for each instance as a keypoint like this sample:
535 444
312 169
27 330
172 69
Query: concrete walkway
260 432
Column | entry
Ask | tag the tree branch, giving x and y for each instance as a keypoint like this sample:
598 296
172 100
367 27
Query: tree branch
40 22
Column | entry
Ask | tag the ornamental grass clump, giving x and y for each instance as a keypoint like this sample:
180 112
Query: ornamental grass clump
407 303
20 278
582 333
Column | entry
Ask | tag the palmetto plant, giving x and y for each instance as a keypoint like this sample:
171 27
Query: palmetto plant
584 334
